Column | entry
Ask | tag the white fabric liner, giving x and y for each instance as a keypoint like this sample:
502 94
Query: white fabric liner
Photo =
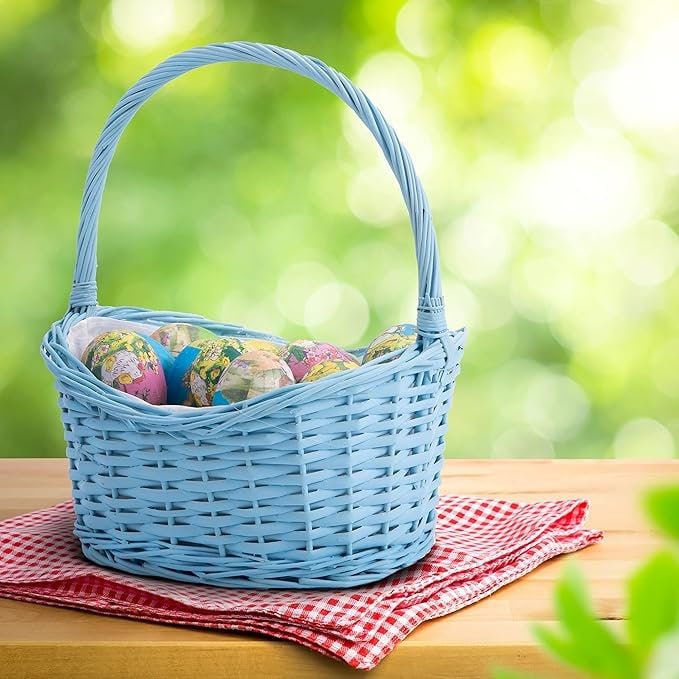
84 331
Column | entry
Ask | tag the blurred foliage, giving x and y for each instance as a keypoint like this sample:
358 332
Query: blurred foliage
662 505
651 648
545 133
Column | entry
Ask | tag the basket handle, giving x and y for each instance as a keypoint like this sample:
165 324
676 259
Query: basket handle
430 313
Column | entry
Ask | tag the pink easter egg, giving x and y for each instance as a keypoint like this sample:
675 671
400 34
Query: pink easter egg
127 362
302 355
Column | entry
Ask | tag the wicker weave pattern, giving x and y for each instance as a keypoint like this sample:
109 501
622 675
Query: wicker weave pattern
326 484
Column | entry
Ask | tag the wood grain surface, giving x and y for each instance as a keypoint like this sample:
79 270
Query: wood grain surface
40 641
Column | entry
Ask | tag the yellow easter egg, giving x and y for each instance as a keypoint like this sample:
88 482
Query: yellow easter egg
327 368
392 339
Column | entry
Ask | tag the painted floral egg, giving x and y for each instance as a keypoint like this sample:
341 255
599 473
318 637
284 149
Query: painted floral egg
256 344
302 355
207 367
178 392
392 339
326 368
166 358
127 362
252 374
175 336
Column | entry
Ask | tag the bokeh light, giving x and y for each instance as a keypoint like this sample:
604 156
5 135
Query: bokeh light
394 83
555 406
296 285
589 187
422 27
643 438
338 312
143 25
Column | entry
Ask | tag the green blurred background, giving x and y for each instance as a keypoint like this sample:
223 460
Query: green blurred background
546 134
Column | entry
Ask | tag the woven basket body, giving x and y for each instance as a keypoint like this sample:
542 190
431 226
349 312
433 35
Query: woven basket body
327 484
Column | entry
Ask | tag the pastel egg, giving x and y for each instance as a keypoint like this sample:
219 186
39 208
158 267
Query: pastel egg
166 358
178 391
175 336
392 339
302 355
207 367
252 374
327 368
257 344
127 362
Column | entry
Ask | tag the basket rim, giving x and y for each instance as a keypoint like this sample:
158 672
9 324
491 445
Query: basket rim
70 370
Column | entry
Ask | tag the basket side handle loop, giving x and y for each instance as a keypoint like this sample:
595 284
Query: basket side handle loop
430 312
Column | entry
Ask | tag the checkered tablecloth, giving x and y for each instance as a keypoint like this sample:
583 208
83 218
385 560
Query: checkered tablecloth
481 545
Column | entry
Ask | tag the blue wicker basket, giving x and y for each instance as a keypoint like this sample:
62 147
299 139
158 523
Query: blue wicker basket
327 484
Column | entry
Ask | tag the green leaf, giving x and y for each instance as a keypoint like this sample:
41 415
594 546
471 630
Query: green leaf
662 505
665 658
653 601
584 641
561 648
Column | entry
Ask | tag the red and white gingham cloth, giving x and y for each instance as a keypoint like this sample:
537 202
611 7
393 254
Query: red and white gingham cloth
481 545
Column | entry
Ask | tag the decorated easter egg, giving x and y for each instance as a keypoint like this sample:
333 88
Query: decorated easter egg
302 355
256 344
252 374
178 392
207 367
127 362
175 336
165 357
326 368
392 339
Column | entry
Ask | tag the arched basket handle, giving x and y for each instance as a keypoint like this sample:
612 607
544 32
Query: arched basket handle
430 314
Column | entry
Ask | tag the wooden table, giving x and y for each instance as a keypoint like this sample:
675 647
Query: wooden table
39 641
